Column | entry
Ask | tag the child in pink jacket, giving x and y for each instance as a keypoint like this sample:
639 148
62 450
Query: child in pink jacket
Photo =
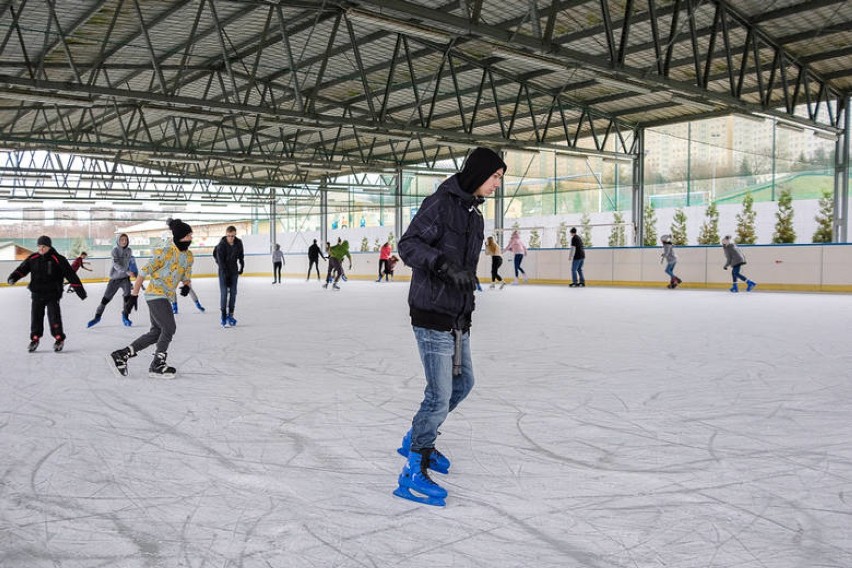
520 250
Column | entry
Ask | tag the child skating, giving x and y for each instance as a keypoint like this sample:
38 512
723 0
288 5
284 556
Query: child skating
492 249
119 275
78 264
735 259
48 270
192 295
519 249
170 266
670 258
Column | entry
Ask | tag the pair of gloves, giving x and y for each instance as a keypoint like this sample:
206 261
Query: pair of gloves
456 276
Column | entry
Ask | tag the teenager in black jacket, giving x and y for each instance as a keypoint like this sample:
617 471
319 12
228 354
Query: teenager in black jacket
442 247
47 269
228 254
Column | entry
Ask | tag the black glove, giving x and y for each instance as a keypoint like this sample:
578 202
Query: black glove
184 290
80 292
240 271
456 276
724 268
131 302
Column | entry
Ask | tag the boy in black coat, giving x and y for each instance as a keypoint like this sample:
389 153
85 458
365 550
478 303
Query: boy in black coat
48 270
442 246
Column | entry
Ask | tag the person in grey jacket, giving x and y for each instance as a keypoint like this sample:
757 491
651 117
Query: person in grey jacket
735 259
119 279
670 258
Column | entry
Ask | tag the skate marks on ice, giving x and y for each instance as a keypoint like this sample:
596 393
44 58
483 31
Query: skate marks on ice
599 434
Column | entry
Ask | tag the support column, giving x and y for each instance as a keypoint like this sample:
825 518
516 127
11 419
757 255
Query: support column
841 177
499 214
639 188
323 215
397 205
273 220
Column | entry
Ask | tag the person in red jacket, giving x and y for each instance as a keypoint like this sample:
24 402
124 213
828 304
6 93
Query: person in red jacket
79 262
384 256
48 270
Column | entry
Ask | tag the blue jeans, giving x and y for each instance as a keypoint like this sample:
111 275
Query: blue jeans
670 269
735 273
443 391
518 259
577 271
227 292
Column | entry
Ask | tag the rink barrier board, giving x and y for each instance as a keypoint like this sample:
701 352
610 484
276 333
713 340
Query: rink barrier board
798 268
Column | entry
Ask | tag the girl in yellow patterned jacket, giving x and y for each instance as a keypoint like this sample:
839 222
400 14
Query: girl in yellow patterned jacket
170 266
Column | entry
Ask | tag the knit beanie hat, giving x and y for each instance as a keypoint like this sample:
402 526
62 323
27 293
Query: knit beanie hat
44 240
480 165
179 229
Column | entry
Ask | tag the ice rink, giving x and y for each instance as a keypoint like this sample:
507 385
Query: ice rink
609 428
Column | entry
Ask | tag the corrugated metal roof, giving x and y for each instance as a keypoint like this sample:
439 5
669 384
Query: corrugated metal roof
259 89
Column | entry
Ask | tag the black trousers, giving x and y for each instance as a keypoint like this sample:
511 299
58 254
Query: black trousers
276 271
496 262
54 317
314 262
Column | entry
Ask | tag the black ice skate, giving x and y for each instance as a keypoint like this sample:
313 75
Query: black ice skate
159 369
58 344
33 345
119 360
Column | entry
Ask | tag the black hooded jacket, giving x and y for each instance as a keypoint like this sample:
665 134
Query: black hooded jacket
448 226
47 273
229 257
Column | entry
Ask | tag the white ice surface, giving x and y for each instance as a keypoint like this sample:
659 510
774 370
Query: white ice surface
608 428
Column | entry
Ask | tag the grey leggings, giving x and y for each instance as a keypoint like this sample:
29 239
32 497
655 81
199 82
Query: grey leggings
114 286
162 327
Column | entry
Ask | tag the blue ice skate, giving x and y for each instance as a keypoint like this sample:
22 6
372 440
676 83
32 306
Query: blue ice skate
94 321
231 321
437 461
750 285
199 306
174 308
735 288
415 483
126 321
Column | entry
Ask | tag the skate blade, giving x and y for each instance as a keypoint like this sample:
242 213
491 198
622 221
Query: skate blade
114 369
161 376
406 493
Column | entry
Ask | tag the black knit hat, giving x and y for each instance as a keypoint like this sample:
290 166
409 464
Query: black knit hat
44 240
179 229
480 166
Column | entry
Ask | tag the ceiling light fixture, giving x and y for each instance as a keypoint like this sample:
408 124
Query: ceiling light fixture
531 59
619 84
47 98
405 28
